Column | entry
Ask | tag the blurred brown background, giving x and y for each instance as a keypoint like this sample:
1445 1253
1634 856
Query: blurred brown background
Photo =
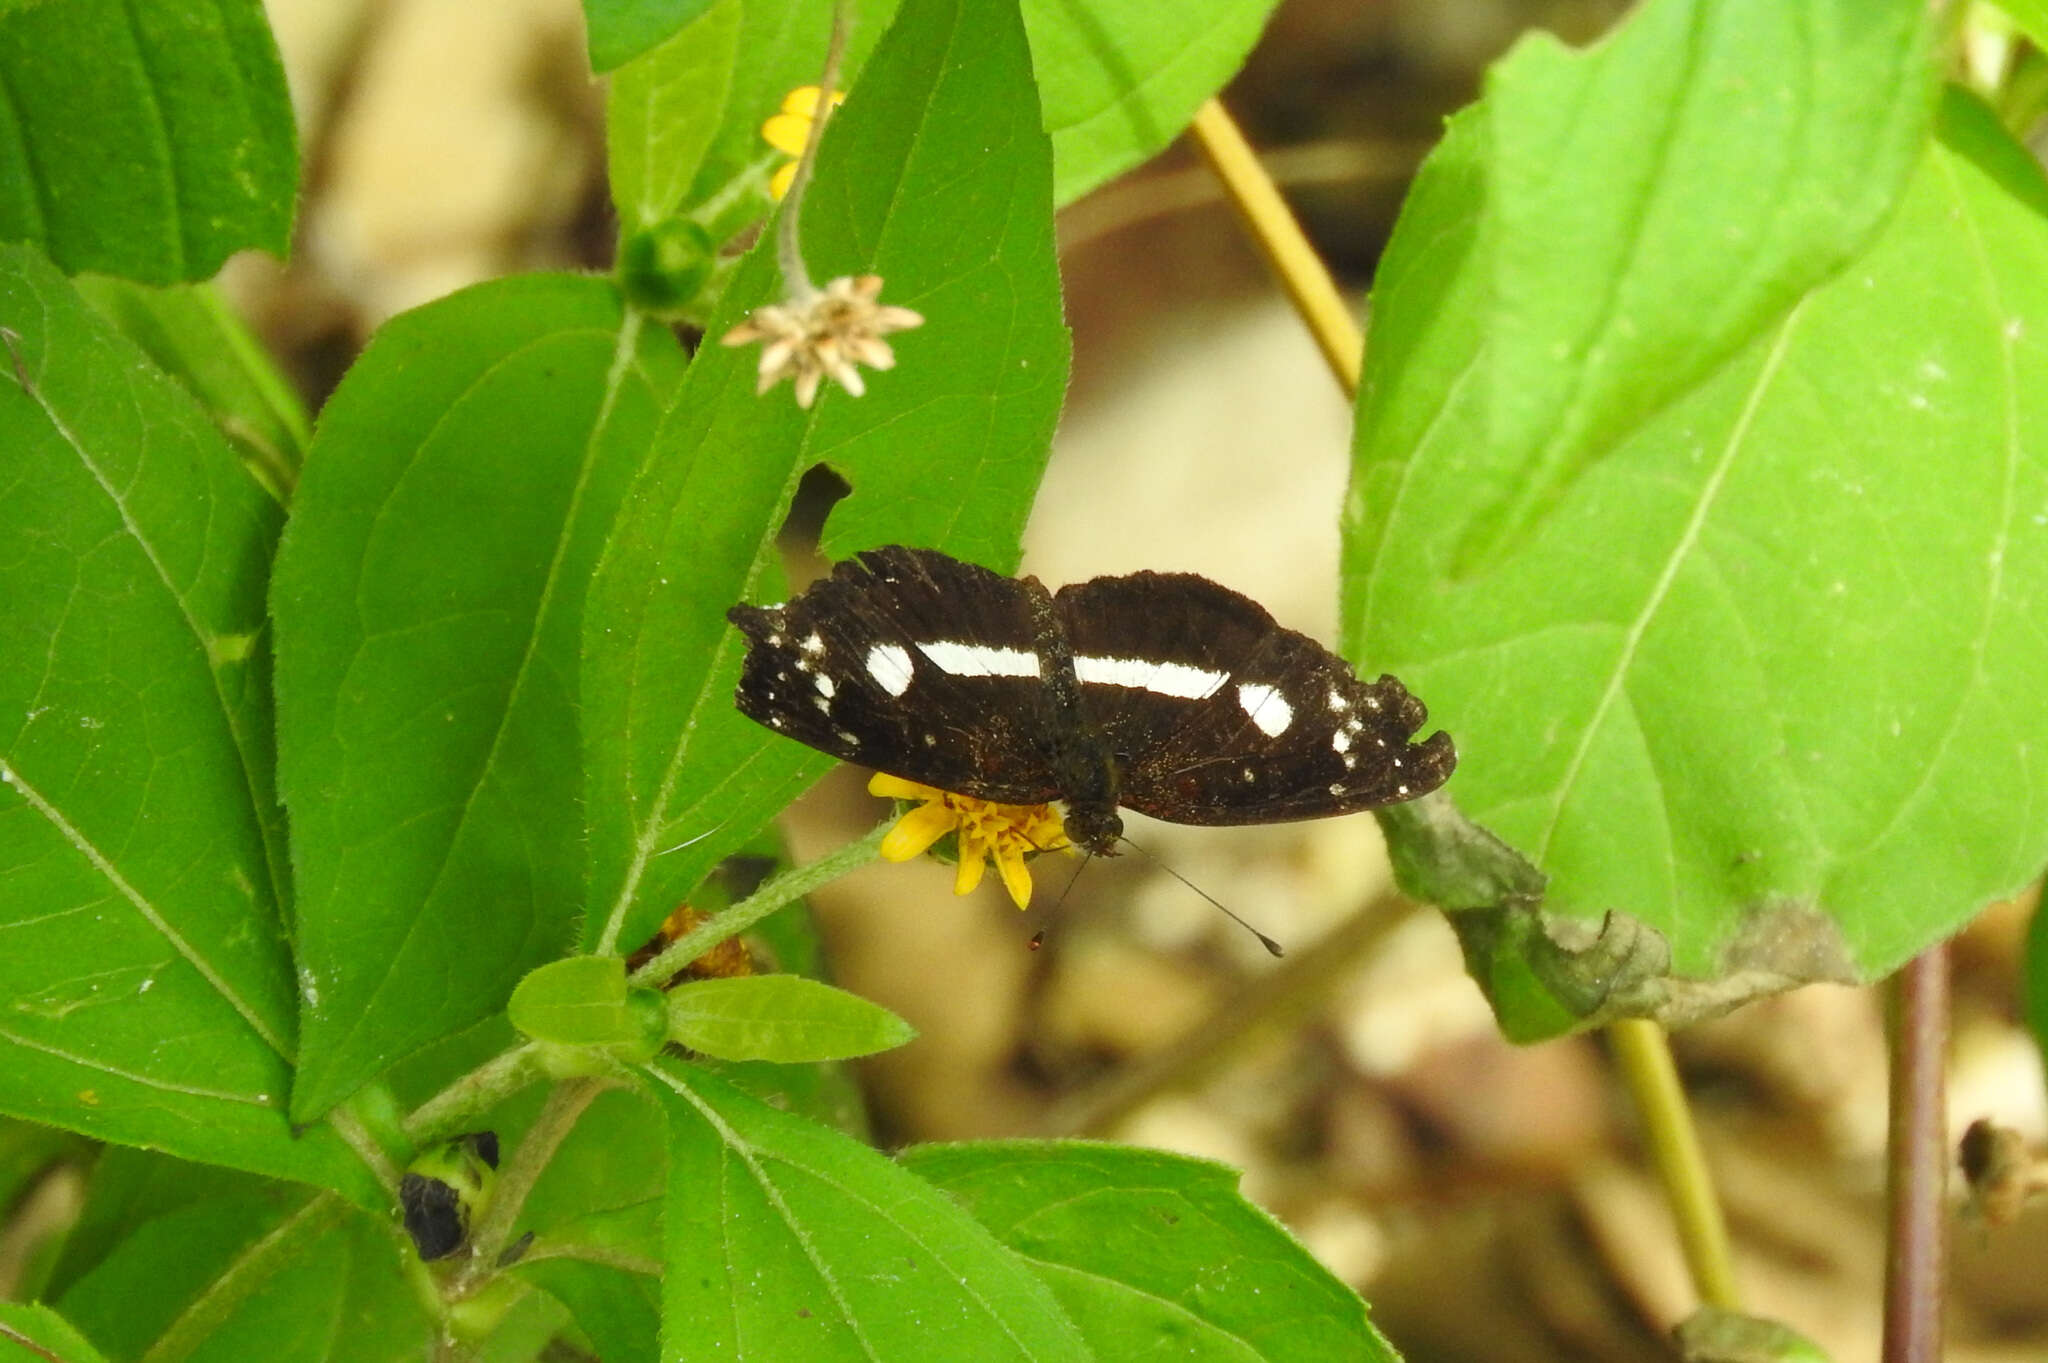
1489 1200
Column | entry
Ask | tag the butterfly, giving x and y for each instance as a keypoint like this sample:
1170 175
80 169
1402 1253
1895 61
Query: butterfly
1160 692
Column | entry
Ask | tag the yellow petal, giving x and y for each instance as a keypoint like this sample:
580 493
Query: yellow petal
1016 875
916 831
802 101
780 181
786 133
967 874
897 788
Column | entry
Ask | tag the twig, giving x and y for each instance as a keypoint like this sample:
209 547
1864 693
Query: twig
1273 229
1302 984
1916 1168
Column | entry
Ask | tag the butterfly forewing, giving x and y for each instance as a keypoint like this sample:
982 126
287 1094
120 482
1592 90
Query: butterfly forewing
910 662
1217 715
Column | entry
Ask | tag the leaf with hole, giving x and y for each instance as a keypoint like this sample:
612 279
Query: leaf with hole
429 605
936 177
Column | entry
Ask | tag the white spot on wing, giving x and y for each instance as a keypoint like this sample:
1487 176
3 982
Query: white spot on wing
979 660
1267 709
1164 679
1341 741
815 644
1337 701
889 665
824 684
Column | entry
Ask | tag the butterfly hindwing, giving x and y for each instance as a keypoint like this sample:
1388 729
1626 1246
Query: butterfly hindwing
1218 715
910 662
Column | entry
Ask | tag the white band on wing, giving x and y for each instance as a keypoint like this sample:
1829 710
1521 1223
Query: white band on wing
980 660
1165 679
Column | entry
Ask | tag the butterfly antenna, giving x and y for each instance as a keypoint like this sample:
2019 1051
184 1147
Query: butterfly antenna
1268 943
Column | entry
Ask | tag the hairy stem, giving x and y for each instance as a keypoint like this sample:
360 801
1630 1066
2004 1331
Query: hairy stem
794 883
490 1083
558 1116
1916 1166
789 254
1643 1054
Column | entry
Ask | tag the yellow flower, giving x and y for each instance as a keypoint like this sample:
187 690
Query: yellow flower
789 130
1006 833
825 335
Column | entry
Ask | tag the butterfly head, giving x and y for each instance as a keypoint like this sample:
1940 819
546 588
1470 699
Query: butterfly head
1095 829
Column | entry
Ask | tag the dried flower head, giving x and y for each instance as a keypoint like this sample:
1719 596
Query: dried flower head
825 336
788 131
1007 834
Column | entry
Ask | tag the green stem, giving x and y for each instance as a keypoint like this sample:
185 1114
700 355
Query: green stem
490 1083
792 884
565 1104
789 255
1643 1053
357 1136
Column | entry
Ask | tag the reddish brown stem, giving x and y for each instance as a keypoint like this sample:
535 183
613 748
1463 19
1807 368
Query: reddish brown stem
1917 1176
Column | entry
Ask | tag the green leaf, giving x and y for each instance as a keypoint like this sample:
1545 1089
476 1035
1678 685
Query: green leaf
1153 1254
585 1001
1713 1335
1117 81
843 1254
1121 78
46 1328
661 112
783 47
147 141
935 176
596 1212
141 847
2030 17
619 1311
429 605
258 1270
620 30
193 337
1656 202
783 1018
1762 682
